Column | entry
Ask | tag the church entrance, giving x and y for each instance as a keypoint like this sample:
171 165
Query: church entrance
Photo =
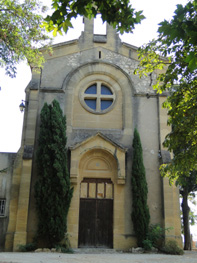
96 213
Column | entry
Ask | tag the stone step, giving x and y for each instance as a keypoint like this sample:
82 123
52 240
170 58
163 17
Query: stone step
94 251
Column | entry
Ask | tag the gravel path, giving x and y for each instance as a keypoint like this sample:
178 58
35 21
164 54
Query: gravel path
115 257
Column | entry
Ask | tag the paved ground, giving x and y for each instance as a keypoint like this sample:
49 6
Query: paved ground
112 257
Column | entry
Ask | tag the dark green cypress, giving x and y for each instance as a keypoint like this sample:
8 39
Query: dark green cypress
52 190
140 210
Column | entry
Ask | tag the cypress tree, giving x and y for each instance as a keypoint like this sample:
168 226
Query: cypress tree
52 190
140 211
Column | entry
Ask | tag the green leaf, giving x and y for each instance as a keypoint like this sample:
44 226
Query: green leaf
192 60
113 12
55 31
22 32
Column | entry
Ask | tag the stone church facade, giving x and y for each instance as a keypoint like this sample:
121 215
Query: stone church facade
92 78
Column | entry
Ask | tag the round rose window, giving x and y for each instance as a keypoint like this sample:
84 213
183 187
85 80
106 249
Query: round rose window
98 98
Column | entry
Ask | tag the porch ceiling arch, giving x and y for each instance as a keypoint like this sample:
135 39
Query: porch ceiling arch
98 163
92 150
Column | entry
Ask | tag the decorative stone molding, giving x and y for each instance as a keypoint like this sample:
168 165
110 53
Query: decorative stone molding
103 149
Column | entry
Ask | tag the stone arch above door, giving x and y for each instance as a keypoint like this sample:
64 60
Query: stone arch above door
98 157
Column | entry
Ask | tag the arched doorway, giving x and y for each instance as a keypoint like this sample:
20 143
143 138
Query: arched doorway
98 169
98 177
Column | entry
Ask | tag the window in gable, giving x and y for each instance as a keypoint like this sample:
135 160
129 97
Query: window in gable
98 98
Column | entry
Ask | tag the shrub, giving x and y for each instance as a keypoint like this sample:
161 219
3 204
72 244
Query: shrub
171 247
147 244
156 235
27 248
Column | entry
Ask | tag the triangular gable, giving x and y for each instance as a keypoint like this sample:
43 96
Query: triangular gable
102 137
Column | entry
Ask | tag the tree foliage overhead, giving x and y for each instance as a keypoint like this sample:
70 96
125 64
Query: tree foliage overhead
140 211
177 39
52 190
118 13
21 33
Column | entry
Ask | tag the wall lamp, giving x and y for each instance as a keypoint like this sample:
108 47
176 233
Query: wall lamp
22 105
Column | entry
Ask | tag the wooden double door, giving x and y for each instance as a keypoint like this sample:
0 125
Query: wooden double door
96 213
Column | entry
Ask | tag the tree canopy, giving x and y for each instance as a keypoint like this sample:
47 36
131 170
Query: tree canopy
118 13
21 33
177 39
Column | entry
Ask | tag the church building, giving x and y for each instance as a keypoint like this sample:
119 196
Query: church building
92 78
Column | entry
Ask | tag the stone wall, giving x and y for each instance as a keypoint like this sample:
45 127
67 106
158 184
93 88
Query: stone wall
6 168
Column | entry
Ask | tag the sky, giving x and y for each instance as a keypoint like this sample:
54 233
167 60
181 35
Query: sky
12 91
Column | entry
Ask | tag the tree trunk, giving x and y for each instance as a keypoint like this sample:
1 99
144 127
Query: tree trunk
186 227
